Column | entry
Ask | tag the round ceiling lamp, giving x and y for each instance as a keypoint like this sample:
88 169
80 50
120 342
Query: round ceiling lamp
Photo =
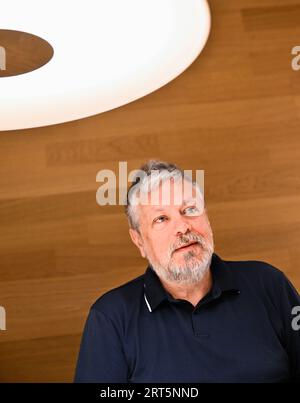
66 60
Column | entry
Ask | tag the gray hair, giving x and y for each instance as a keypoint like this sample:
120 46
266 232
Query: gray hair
144 182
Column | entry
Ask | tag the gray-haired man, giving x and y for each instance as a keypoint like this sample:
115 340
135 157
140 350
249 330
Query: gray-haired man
191 317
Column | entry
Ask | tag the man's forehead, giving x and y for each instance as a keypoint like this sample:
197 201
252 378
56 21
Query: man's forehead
181 192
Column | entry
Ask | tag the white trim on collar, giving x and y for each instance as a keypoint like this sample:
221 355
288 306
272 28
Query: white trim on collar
148 305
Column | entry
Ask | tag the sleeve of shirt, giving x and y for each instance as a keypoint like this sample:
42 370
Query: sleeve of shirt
101 358
290 308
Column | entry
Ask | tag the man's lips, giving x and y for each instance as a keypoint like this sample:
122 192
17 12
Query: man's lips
187 245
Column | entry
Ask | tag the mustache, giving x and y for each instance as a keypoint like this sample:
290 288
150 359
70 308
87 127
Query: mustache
188 238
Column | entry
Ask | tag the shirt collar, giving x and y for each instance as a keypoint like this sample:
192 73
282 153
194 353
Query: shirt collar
223 281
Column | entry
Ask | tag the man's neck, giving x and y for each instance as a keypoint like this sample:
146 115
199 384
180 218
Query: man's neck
190 292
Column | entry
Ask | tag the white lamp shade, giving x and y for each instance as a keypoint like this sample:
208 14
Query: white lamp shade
107 53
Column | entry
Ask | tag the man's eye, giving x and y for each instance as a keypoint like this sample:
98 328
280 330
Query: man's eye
160 219
192 210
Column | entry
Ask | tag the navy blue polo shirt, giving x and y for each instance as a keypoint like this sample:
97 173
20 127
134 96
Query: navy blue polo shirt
240 331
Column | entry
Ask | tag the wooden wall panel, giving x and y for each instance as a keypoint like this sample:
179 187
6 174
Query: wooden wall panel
234 113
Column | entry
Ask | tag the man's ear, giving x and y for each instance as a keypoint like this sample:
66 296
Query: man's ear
137 240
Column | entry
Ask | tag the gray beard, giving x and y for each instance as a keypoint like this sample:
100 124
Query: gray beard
191 272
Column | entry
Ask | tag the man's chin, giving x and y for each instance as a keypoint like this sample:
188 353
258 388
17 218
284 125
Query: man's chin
183 269
191 271
191 259
182 276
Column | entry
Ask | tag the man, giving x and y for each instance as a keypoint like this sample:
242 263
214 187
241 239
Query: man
192 317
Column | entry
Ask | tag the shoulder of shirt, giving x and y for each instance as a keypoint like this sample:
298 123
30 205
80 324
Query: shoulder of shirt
117 298
256 269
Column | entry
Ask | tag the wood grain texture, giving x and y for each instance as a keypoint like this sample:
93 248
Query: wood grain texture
234 113
24 52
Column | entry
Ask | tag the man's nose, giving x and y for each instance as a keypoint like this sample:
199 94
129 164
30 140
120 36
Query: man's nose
182 227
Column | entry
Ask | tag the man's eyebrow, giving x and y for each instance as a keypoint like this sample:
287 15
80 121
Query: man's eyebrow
156 209
188 201
185 202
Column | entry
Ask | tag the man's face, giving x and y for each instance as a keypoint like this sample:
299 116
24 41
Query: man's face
176 238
